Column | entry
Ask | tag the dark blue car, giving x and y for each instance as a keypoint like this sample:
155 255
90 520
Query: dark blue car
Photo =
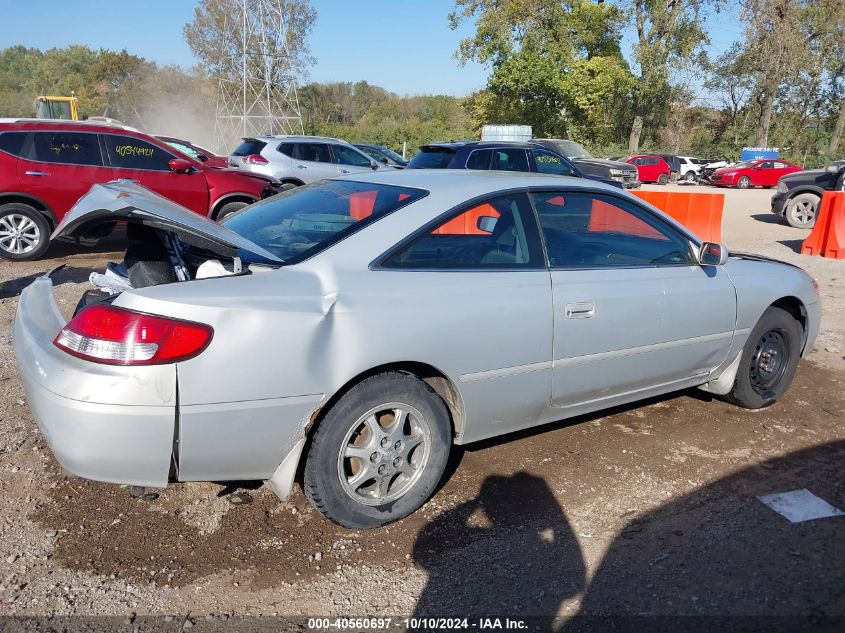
500 156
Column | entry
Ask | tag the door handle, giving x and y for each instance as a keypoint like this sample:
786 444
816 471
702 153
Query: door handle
302 166
580 310
345 171
37 173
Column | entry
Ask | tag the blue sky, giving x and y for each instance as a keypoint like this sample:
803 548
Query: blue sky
405 46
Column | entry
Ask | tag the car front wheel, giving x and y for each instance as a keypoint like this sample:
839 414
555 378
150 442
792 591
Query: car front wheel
379 453
690 176
24 232
769 360
743 183
801 211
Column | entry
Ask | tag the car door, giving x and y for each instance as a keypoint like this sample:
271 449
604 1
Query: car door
313 162
60 166
761 174
634 313
350 160
779 170
480 282
149 164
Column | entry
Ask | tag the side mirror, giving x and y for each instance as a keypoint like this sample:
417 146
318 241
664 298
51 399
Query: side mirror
373 164
202 158
179 165
712 254
486 223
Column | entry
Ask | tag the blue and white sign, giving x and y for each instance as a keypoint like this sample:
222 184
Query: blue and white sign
752 153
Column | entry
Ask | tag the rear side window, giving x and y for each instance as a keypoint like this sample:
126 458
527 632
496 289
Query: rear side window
312 152
432 158
69 148
480 159
286 149
12 142
497 233
510 160
128 152
249 146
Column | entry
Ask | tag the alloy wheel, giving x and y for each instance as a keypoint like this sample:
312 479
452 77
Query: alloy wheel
18 234
384 453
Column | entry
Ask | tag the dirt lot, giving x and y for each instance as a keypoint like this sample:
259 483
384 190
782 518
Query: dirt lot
647 510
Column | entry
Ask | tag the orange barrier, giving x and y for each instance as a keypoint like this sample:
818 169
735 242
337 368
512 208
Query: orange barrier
606 217
701 213
467 222
828 235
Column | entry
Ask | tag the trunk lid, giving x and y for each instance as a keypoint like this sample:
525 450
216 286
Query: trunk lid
127 201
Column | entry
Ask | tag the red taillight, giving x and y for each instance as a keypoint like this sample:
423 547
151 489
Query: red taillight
114 336
256 159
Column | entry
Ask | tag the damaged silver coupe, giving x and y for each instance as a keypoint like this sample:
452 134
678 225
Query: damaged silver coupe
349 332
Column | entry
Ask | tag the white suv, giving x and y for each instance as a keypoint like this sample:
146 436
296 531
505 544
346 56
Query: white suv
298 160
690 168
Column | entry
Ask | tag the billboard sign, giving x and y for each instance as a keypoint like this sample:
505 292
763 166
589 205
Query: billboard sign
752 153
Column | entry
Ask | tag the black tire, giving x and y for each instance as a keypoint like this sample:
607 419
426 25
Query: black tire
287 186
34 237
801 210
743 183
229 208
359 505
690 176
763 376
662 179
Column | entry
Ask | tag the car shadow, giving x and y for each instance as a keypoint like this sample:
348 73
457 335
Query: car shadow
714 559
794 245
769 218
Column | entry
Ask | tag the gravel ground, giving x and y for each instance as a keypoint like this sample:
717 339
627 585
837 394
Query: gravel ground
648 509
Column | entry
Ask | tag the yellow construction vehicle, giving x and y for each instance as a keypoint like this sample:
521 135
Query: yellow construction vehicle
57 108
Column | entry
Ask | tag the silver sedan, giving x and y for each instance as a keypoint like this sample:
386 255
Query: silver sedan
364 325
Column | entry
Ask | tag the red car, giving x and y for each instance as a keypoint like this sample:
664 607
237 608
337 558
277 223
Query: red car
753 173
650 168
47 165
195 151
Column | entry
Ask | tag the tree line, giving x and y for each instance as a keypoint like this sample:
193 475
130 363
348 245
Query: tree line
557 65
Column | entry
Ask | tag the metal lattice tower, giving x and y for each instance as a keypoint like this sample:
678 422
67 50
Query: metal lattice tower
257 87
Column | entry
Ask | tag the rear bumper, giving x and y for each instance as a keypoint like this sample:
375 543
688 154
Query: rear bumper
107 423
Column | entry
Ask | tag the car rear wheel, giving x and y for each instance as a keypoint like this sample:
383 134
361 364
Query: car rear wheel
801 211
743 183
24 232
379 453
690 176
662 179
768 361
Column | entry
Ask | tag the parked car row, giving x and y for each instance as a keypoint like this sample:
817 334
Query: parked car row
47 165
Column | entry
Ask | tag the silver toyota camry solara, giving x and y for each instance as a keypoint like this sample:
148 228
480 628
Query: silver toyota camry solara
353 330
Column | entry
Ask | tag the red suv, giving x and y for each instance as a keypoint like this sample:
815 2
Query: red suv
46 166
650 168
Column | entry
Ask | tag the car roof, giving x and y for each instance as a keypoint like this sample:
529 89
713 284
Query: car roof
482 144
297 137
465 184
53 124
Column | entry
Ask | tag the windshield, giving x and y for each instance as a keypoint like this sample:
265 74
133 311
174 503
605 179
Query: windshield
304 221
571 149
432 158
744 163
